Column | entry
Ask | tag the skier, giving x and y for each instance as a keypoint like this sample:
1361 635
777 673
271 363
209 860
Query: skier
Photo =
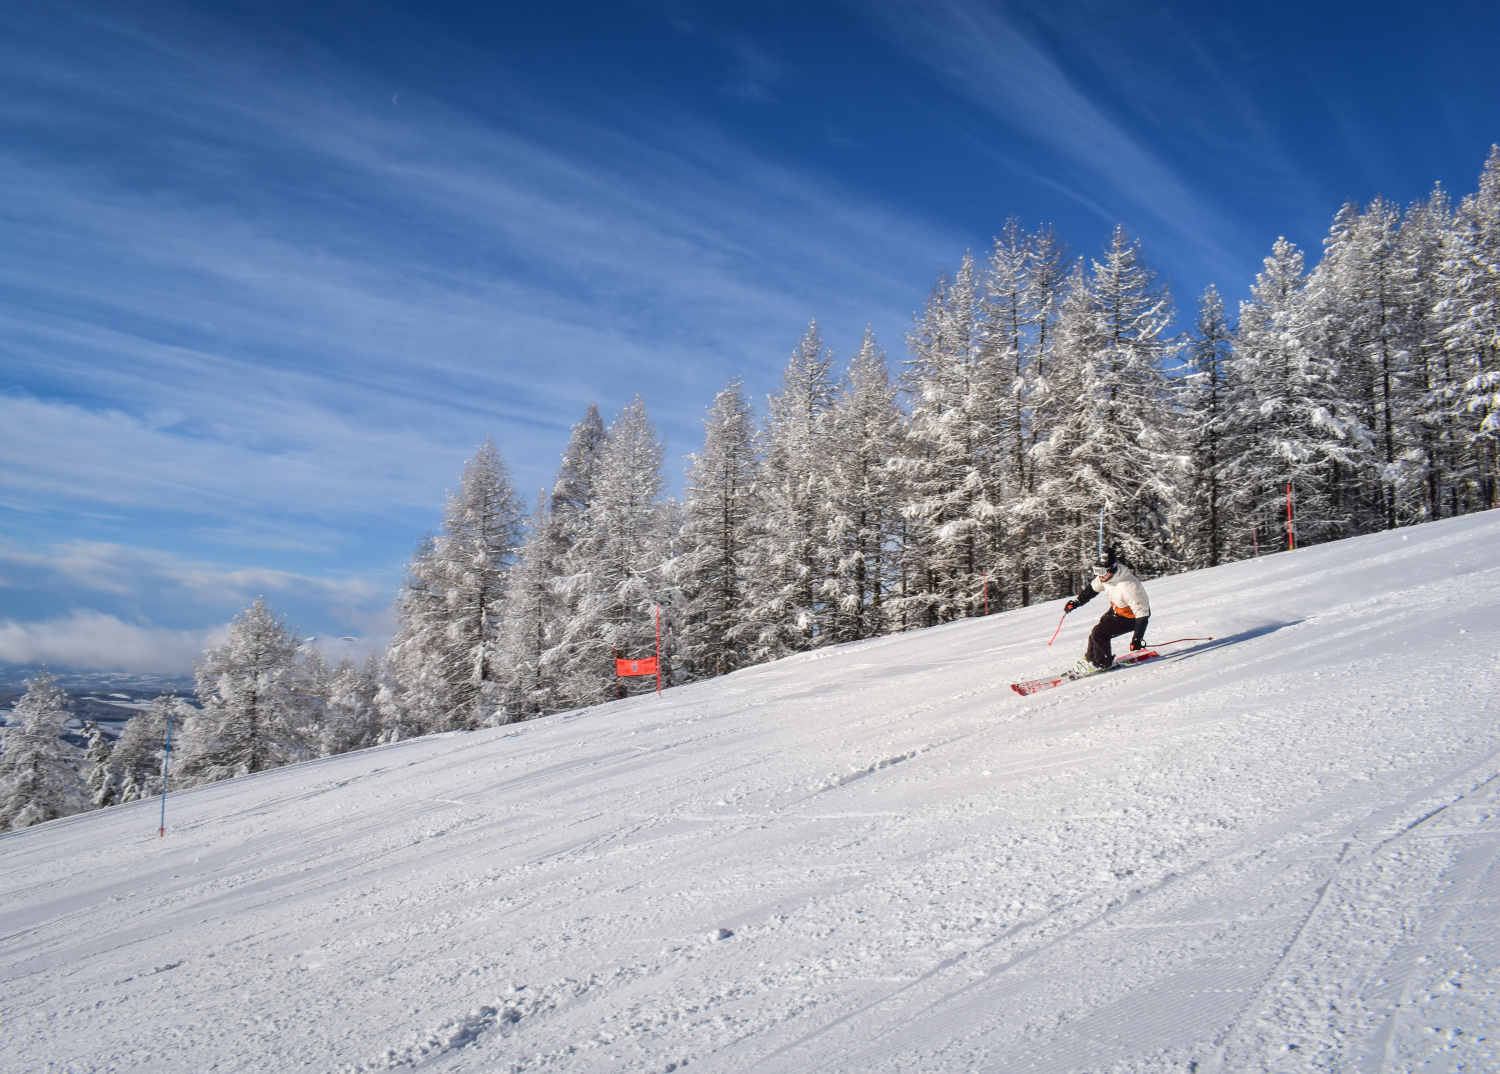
1129 611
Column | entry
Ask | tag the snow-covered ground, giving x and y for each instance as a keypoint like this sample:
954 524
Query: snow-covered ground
1277 853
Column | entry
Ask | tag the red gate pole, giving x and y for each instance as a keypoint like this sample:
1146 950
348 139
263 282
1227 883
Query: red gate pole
986 592
616 654
1254 541
658 650
1291 534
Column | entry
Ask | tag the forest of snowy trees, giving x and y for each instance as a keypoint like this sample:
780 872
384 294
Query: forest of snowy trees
1038 389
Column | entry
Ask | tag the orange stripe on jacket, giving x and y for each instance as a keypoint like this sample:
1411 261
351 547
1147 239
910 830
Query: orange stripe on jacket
1124 613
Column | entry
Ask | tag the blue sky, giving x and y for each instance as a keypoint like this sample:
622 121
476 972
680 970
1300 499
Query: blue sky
271 271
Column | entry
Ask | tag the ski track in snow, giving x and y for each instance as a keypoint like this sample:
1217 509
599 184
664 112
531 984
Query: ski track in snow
1274 852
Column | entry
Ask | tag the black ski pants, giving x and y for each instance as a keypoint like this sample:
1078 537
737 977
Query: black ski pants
1112 625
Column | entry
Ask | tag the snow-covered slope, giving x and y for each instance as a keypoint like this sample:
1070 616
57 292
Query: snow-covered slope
1273 854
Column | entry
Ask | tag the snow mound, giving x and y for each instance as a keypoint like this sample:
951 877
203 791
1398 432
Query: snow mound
1276 851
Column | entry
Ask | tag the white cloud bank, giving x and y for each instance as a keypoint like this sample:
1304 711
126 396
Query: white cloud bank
90 640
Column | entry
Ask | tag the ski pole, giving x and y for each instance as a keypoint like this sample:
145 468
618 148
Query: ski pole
1176 641
1058 631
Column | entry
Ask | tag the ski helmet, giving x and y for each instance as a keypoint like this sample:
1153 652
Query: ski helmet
1106 563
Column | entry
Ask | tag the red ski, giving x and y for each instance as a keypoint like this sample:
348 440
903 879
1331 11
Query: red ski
1025 689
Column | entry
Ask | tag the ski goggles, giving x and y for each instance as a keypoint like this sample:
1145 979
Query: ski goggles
1104 572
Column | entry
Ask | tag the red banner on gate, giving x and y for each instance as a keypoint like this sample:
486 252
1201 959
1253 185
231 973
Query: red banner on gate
625 668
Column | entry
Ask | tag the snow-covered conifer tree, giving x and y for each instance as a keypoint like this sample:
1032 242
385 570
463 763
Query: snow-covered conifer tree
536 614
37 781
1284 421
99 782
482 528
718 513
418 694
861 494
542 602
783 578
351 718
1360 287
1043 561
315 683
254 701
1006 364
1339 491
952 474
1060 495
1112 447
1431 449
1470 308
1201 523
447 653
616 566
578 476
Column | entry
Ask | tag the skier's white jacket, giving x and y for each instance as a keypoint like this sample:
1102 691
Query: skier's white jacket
1126 594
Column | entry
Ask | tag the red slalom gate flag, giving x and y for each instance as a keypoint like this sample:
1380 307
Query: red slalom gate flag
626 668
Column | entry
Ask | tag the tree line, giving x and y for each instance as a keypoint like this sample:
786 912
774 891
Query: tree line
1038 389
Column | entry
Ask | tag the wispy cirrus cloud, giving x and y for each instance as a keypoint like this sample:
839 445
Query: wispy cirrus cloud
989 55
119 570
346 277
754 72
58 454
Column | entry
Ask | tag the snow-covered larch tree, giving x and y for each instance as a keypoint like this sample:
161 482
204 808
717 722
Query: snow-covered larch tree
1006 363
1336 495
718 513
533 615
1470 307
616 568
1201 522
418 695
542 602
38 779
782 580
1360 286
351 718
99 782
447 652
254 701
861 493
950 472
1432 449
1282 425
482 529
1037 525
1112 447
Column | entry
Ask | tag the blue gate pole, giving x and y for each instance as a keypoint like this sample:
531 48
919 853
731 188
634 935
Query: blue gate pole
166 757
1101 531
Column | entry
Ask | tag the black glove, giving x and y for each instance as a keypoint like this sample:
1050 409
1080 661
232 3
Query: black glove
1068 607
1136 643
